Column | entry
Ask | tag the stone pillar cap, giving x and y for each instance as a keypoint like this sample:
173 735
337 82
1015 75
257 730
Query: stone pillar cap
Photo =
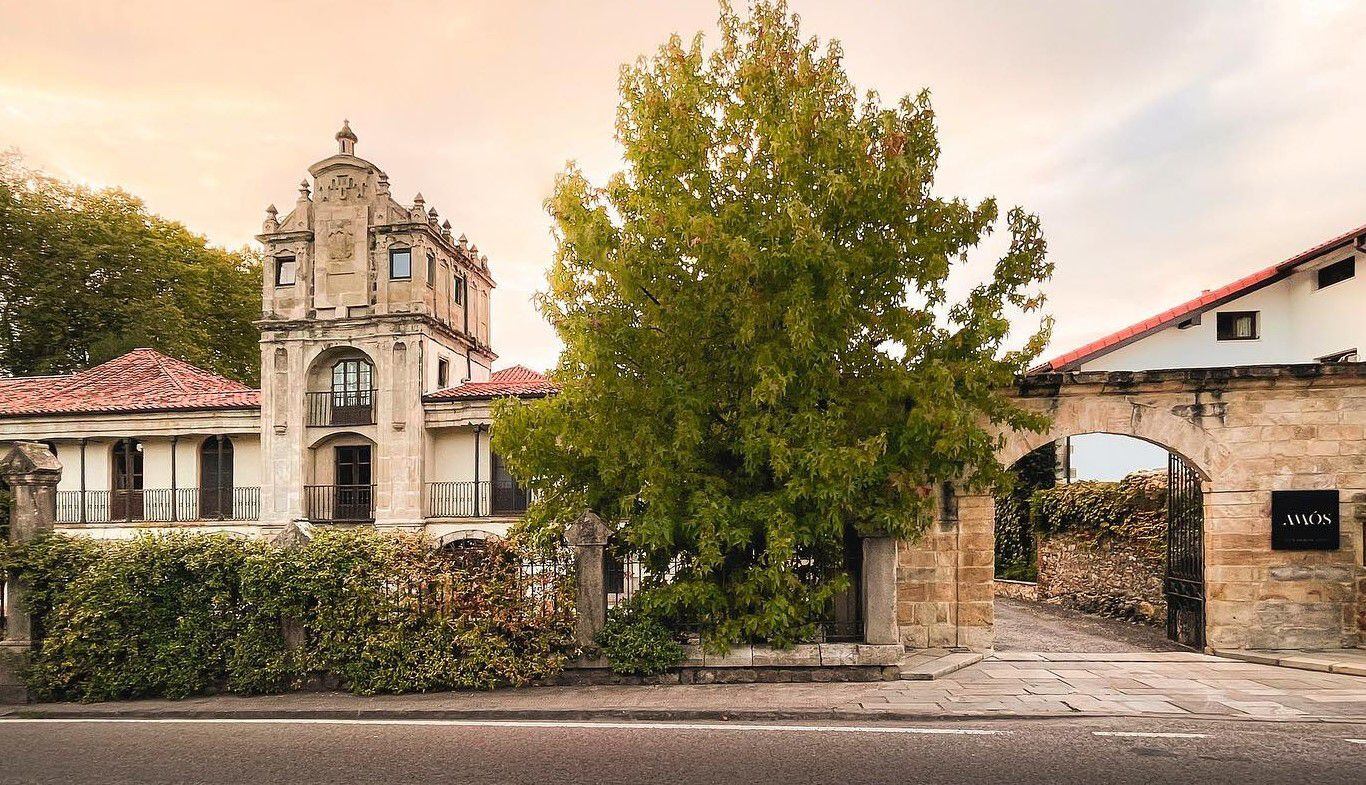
587 530
30 458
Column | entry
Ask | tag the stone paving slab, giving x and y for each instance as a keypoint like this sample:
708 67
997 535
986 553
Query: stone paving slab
994 688
1351 662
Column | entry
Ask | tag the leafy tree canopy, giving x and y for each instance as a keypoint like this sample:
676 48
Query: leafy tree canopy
87 275
760 345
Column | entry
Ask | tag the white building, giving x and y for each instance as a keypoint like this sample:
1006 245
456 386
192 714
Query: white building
375 388
1309 308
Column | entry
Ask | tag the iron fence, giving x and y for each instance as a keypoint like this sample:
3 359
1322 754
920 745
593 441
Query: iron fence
625 574
341 407
471 579
339 503
160 504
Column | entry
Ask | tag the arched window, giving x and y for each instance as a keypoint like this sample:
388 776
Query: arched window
126 486
215 478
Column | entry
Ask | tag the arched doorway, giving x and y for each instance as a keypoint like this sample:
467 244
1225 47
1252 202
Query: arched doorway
1103 527
215 478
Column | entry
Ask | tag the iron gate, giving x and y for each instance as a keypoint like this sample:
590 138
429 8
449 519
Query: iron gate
1185 581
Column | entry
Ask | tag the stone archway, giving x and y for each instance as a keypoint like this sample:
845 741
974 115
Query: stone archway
1249 432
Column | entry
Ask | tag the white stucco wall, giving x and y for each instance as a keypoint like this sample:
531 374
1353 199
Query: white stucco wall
1298 324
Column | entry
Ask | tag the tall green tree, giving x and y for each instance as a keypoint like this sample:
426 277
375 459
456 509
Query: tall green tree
760 345
86 275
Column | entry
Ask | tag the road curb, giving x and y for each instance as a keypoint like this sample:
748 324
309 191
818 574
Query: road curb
638 715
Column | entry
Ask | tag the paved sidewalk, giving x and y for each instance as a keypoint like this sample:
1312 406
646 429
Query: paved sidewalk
1169 684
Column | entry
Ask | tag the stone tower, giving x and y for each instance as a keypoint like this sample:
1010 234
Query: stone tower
367 306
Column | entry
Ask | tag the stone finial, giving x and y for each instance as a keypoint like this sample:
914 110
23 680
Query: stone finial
418 213
295 534
272 221
587 530
29 458
464 241
346 139
304 190
432 216
474 249
446 230
383 184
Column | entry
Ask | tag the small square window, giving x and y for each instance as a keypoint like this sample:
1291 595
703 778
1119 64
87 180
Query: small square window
1238 326
285 270
400 263
458 290
443 373
1337 272
431 270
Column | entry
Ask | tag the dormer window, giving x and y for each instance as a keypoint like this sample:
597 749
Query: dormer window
1238 326
285 270
400 263
1337 272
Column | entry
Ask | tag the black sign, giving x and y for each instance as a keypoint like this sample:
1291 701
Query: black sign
1304 520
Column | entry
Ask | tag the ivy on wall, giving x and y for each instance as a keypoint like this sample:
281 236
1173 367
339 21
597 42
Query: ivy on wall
1015 548
1132 510
188 614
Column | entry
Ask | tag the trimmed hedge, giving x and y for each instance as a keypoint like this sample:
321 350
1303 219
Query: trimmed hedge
188 614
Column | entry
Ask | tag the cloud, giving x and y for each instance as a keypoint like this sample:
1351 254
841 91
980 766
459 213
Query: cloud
1168 147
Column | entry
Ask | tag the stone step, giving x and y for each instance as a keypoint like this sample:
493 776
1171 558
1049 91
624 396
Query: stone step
932 664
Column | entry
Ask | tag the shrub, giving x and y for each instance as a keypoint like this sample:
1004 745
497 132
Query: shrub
637 645
185 614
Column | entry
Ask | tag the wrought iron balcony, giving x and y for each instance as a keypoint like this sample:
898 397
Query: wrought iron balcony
159 505
339 503
476 499
341 407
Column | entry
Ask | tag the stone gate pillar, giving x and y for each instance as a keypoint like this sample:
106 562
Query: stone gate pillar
879 591
31 471
588 537
944 579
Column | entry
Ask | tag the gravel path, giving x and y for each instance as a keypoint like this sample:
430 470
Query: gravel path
1034 626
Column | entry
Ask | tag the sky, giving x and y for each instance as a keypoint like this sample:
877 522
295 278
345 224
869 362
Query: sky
1167 147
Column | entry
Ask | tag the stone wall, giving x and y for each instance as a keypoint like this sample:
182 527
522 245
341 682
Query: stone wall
1107 577
1248 431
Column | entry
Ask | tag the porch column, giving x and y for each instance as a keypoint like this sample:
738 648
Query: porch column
31 471
588 537
879 591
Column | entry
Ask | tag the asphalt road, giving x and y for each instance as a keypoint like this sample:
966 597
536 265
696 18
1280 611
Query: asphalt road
373 752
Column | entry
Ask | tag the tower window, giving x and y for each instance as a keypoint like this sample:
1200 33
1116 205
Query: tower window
443 373
1337 272
1238 326
431 270
400 263
285 270
458 290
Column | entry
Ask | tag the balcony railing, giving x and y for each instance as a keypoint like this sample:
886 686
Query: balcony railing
339 503
159 505
341 407
476 499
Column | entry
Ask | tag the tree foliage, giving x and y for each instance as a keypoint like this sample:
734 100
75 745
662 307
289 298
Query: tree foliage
89 274
760 344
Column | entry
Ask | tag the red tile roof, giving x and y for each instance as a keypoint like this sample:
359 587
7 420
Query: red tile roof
517 380
143 380
1206 301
